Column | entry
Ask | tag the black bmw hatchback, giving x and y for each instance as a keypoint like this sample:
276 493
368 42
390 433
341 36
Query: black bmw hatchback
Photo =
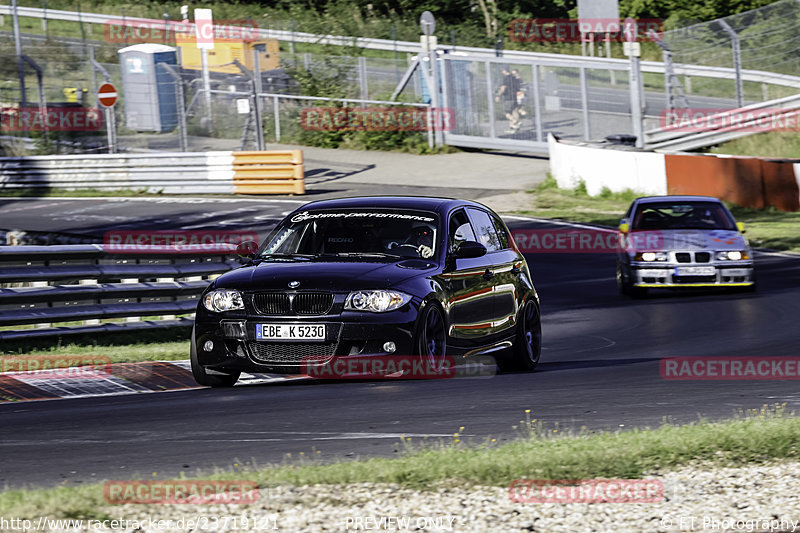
370 277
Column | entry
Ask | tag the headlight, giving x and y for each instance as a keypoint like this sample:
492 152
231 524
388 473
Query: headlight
650 256
222 300
733 256
376 301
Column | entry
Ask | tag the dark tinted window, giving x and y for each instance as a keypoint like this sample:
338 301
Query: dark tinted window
502 234
682 215
484 229
460 229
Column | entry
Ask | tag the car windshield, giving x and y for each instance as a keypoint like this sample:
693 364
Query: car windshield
682 215
378 233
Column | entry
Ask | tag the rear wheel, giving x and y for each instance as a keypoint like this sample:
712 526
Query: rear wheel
204 378
528 344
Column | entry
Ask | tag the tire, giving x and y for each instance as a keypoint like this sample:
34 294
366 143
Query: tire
626 288
204 378
527 348
431 340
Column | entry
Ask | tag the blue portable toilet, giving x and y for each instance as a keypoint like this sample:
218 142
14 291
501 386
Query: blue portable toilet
149 92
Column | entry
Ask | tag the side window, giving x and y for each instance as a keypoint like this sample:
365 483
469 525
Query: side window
484 228
502 234
459 229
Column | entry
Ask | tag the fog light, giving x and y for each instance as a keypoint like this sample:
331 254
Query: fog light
389 347
208 346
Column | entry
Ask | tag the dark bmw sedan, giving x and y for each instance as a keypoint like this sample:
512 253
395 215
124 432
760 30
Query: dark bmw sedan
370 277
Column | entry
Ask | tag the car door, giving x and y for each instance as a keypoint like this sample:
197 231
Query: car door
503 269
468 288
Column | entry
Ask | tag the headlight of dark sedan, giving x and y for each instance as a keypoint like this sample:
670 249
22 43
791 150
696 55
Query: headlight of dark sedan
222 300
376 301
733 256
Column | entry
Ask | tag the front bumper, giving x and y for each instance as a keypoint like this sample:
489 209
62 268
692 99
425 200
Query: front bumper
235 348
729 274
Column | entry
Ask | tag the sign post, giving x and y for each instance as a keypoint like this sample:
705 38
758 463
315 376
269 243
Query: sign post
633 50
107 97
204 32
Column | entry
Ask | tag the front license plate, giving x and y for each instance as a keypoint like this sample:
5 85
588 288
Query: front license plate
290 332
735 272
695 271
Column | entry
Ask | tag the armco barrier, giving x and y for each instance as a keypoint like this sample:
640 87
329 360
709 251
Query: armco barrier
746 181
40 285
269 172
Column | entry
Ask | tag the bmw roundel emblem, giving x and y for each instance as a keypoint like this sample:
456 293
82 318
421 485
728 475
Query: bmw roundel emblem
294 284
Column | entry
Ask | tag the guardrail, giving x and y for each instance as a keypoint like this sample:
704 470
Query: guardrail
414 47
719 128
269 172
41 285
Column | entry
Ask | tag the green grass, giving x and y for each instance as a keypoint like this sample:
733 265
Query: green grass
549 201
756 436
766 228
169 344
781 144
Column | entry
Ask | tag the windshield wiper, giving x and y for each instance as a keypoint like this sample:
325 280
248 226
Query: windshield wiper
286 256
367 254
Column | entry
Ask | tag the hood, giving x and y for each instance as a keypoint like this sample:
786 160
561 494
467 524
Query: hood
686 240
323 275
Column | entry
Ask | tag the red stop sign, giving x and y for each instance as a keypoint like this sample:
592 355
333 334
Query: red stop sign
107 95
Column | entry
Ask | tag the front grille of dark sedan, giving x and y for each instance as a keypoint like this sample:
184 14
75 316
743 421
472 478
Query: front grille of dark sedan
271 303
312 303
302 303
293 353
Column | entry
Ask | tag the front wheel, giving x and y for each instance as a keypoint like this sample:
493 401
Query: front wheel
204 378
431 342
626 288
528 344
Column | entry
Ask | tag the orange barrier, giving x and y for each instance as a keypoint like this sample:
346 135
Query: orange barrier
270 172
745 181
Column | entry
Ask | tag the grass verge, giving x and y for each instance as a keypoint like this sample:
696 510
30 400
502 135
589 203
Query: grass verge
169 344
766 228
752 437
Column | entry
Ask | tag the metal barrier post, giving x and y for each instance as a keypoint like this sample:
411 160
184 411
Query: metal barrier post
179 104
587 130
737 60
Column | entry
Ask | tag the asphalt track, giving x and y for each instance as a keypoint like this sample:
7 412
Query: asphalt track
600 369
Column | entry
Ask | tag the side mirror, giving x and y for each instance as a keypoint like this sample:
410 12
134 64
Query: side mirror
740 225
470 249
246 249
624 227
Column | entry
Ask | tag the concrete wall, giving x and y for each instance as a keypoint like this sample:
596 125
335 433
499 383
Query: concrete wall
746 181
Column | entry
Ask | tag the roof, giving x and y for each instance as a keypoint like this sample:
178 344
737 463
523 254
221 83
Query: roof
147 48
441 205
677 198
